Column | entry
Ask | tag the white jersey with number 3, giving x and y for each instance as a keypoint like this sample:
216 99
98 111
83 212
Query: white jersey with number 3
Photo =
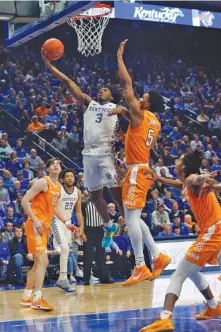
99 128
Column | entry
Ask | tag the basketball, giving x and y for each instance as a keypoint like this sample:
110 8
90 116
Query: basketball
54 48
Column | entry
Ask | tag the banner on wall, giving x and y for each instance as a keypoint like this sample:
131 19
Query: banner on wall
165 14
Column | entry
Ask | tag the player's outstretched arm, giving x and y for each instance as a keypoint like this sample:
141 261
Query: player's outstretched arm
169 182
76 92
126 81
200 180
38 186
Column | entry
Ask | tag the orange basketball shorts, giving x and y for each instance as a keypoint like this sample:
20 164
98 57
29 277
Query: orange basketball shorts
206 247
136 186
36 243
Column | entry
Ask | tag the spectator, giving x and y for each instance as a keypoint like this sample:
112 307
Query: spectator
18 210
159 218
175 212
8 234
13 165
215 167
18 251
10 217
114 215
74 134
210 153
41 167
42 111
196 141
5 151
167 231
188 221
176 231
27 172
4 195
214 124
153 202
8 180
60 143
13 192
175 135
21 153
35 126
168 201
34 160
24 182
160 166
184 229
4 259
174 152
24 122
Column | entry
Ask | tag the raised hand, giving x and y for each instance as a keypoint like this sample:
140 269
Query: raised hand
44 57
120 51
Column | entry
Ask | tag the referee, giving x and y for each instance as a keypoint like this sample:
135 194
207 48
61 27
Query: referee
93 229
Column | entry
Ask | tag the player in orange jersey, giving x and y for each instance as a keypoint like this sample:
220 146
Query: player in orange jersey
142 134
43 196
206 248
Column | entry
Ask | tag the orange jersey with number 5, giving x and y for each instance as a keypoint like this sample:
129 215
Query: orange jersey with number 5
139 140
43 204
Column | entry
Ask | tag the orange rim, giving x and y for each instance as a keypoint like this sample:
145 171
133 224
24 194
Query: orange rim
98 6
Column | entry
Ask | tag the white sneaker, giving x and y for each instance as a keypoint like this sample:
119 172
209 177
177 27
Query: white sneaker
94 279
72 279
79 273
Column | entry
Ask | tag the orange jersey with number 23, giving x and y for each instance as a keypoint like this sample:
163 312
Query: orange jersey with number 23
139 140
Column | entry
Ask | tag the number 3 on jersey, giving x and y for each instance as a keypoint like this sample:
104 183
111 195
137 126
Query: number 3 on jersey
99 117
150 137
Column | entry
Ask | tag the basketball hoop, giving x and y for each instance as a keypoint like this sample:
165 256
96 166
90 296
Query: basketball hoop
90 27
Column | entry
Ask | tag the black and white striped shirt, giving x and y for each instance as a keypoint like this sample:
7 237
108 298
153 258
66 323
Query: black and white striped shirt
91 216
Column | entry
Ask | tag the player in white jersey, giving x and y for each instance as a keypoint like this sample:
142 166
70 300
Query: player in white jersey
98 156
69 201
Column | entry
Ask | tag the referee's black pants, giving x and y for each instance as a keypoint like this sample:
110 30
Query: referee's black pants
94 239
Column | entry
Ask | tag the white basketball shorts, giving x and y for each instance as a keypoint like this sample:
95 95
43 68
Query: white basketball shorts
100 171
61 235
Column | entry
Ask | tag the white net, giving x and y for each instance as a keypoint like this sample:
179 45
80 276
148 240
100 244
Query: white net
90 27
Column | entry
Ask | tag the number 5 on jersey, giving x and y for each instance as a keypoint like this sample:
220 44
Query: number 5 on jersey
150 137
99 117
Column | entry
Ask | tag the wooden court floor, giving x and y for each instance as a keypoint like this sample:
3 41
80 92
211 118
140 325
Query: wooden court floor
86 300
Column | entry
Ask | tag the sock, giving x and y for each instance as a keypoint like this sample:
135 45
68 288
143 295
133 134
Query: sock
27 294
165 314
212 303
135 234
62 276
108 224
148 239
37 295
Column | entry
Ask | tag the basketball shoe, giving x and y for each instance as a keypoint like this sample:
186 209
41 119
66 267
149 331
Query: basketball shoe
140 273
159 265
26 302
161 325
41 305
209 313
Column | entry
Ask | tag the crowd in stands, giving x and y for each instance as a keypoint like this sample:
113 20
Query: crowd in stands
43 106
